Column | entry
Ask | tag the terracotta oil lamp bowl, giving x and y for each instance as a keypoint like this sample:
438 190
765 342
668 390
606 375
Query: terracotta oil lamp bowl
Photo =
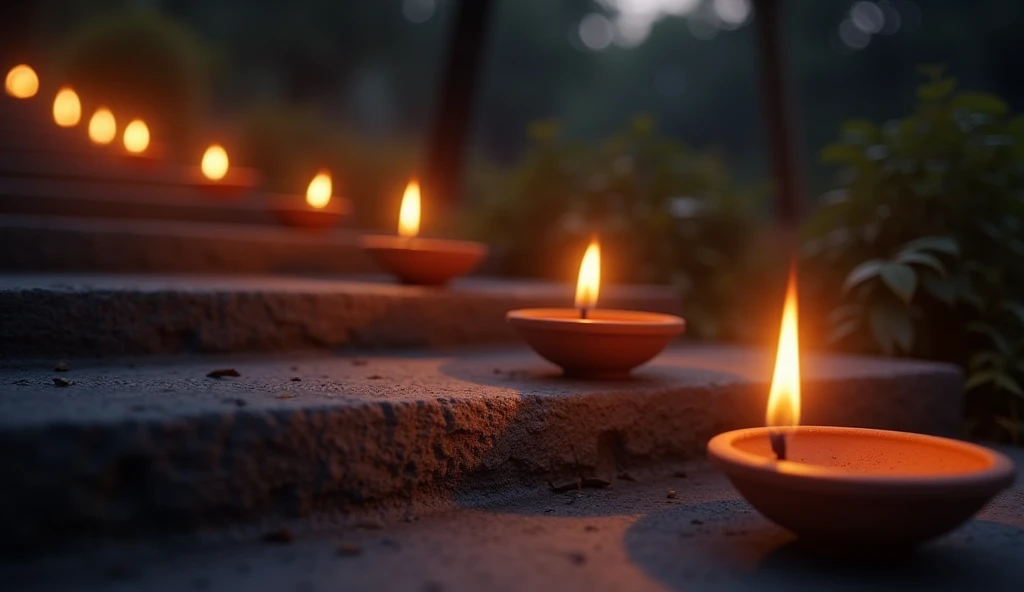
217 179
594 343
421 261
859 487
319 212
870 491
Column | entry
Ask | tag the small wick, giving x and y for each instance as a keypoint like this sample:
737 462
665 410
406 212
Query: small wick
583 313
778 440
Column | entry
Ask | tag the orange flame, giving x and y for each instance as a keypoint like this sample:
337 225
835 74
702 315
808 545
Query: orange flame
136 136
215 162
409 213
102 126
21 82
318 194
784 397
67 109
588 284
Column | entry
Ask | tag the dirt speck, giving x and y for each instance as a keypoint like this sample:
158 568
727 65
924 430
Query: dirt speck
296 379
671 494
283 535
223 373
63 382
577 558
349 549
680 475
374 377
696 522
286 396
61 367
590 528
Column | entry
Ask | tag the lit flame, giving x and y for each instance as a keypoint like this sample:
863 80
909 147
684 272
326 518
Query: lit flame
102 126
784 398
136 136
589 282
409 213
318 194
67 109
215 162
22 82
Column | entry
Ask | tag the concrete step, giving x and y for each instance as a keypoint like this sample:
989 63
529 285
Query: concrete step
27 196
51 243
152 448
100 315
627 537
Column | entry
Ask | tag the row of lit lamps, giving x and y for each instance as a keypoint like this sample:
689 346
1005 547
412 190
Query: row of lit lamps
22 82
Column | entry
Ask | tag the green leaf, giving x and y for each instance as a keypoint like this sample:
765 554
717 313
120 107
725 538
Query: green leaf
843 330
983 359
941 288
1014 308
891 327
919 258
979 379
939 244
900 279
862 273
1009 384
997 340
939 89
980 102
842 154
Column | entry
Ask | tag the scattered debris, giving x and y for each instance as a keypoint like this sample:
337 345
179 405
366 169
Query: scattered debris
370 524
296 379
374 377
223 372
680 474
61 366
349 549
624 476
359 362
235 402
578 483
577 558
590 528
281 535
671 494
63 382
549 510
286 396
695 521
22 382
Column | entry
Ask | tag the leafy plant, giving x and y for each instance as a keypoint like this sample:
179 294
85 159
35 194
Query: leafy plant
927 235
663 212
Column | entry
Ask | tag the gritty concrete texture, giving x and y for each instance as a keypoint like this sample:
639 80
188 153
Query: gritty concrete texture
118 315
119 200
628 537
130 450
51 243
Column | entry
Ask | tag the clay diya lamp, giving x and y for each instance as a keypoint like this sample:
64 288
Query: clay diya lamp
865 491
421 261
216 178
102 126
21 82
137 145
319 211
593 343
